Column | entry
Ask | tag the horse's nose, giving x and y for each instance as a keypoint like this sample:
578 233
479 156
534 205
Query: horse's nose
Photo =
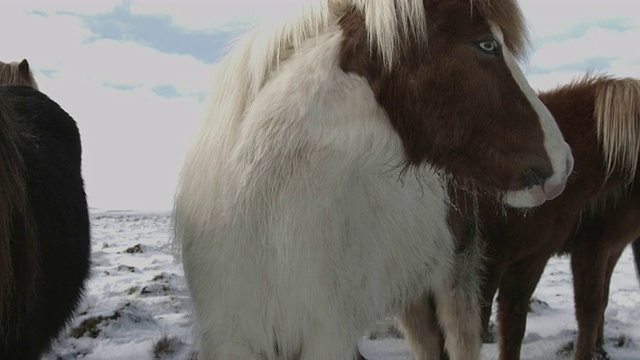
552 191
534 176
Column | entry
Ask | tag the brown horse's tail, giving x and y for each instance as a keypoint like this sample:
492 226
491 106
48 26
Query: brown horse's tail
18 256
617 114
635 246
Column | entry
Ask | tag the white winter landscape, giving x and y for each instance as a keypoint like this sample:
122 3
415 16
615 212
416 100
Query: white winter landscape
137 306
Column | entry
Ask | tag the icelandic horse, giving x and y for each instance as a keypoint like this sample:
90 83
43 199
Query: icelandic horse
333 180
44 219
593 220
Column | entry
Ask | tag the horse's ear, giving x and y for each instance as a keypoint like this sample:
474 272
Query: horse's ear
23 68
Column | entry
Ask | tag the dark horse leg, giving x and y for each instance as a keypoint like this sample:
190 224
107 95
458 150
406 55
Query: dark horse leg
596 252
492 275
516 288
611 264
44 296
636 256
589 267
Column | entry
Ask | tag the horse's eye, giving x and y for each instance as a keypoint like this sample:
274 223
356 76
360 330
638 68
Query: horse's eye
489 46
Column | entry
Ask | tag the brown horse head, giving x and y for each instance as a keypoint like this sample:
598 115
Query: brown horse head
17 73
454 94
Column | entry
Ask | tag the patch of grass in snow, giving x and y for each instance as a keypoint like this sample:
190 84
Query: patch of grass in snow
127 268
136 249
536 305
167 347
621 341
160 285
163 347
90 325
133 290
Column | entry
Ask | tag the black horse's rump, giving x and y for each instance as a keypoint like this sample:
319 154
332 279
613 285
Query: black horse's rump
44 222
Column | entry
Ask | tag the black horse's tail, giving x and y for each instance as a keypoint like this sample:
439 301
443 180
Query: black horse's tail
635 246
18 252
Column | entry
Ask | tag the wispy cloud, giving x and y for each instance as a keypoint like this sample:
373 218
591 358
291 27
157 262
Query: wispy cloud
158 31
551 19
573 37
598 44
211 15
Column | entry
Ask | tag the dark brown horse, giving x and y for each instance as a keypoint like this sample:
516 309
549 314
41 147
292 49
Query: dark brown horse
594 220
44 221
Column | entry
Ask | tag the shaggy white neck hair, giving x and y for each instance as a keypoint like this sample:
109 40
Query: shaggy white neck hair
244 70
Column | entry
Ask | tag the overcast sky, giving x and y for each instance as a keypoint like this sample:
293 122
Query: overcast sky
134 73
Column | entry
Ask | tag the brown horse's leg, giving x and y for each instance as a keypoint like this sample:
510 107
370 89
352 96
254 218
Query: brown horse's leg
491 276
589 266
516 288
419 324
596 253
611 264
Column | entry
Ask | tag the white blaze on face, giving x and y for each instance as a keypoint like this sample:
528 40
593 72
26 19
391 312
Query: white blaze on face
557 149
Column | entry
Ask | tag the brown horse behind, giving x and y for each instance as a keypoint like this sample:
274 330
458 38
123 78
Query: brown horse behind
593 220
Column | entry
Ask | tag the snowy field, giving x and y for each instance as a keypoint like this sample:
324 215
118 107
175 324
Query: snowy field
137 306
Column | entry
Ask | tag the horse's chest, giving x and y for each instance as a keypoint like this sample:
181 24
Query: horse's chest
402 234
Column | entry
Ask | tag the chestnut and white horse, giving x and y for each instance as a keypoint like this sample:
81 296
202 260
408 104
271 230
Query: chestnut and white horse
316 199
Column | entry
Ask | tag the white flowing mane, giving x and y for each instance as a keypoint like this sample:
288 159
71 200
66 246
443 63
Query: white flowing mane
242 73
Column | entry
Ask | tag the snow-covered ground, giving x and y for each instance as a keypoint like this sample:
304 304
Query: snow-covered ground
137 305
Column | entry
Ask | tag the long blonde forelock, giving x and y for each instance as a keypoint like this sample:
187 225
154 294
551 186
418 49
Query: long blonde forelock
388 21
